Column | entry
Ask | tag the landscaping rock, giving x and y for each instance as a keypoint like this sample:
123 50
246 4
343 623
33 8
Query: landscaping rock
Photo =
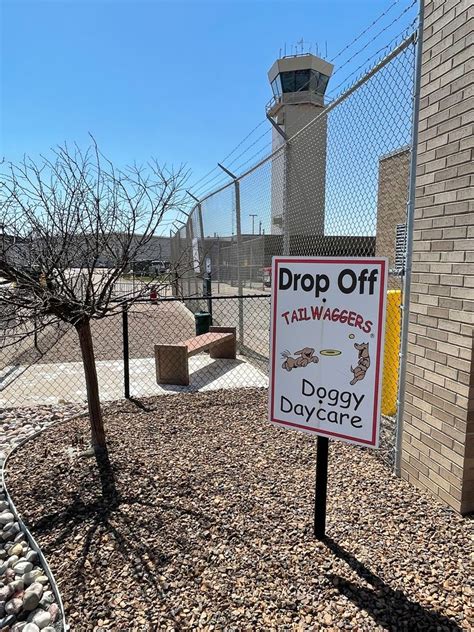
42 579
13 606
17 585
5 592
41 619
30 600
16 549
23 567
6 517
53 612
47 599
32 576
8 621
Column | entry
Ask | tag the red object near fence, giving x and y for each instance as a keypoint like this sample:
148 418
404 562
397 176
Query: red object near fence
267 277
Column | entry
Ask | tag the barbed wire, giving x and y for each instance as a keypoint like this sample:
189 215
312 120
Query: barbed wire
205 188
356 39
379 53
192 186
339 68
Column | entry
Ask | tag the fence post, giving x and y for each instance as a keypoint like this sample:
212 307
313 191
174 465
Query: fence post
285 226
191 239
239 250
238 231
201 224
126 355
405 316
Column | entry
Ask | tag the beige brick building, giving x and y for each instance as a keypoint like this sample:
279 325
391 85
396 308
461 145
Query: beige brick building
391 201
438 438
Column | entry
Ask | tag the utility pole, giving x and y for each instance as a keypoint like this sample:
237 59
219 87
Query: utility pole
253 216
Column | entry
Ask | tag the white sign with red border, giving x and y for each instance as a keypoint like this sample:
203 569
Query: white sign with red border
327 339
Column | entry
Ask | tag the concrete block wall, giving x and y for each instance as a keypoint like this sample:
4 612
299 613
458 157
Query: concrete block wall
438 437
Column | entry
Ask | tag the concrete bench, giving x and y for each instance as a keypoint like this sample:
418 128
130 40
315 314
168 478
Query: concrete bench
171 361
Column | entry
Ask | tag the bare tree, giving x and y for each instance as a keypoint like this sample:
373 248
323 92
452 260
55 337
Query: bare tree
70 227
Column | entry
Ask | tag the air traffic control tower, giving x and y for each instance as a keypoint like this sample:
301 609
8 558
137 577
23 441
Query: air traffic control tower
298 84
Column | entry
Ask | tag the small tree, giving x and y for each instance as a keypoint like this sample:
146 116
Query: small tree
71 226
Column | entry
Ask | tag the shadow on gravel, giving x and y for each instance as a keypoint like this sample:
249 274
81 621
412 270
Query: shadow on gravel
139 404
110 517
388 607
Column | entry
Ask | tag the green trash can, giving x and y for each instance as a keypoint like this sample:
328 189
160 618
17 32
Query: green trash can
203 322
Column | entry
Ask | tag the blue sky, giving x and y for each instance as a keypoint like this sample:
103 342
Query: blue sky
181 81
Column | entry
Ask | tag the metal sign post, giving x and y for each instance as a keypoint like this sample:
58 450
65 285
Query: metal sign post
321 487
326 354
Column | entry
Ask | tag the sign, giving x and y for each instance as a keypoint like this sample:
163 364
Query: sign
327 336
196 258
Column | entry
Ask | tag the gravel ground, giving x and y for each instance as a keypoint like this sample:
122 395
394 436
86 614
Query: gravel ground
212 529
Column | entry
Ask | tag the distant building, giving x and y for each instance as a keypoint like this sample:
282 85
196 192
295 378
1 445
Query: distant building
392 206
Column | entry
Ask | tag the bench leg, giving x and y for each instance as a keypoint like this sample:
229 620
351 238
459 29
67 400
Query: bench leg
171 363
227 349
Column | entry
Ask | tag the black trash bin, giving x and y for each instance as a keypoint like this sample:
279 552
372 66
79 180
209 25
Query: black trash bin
203 322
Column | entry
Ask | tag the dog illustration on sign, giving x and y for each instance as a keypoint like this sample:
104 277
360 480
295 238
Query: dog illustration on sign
363 363
306 356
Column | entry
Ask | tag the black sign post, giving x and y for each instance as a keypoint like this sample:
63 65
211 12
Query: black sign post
126 354
321 487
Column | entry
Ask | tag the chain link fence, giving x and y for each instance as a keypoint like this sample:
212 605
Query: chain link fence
336 187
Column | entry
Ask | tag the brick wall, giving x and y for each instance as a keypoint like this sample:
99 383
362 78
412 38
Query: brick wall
391 201
438 438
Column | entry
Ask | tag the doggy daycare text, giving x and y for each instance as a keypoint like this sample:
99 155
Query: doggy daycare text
327 335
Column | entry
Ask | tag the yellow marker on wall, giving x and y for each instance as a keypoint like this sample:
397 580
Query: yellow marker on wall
391 359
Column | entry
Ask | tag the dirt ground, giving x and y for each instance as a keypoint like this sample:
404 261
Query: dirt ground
148 324
211 527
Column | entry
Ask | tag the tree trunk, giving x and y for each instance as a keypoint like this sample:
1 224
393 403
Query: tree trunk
95 414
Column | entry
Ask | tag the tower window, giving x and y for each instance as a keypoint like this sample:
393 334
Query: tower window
318 82
301 81
287 81
276 87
